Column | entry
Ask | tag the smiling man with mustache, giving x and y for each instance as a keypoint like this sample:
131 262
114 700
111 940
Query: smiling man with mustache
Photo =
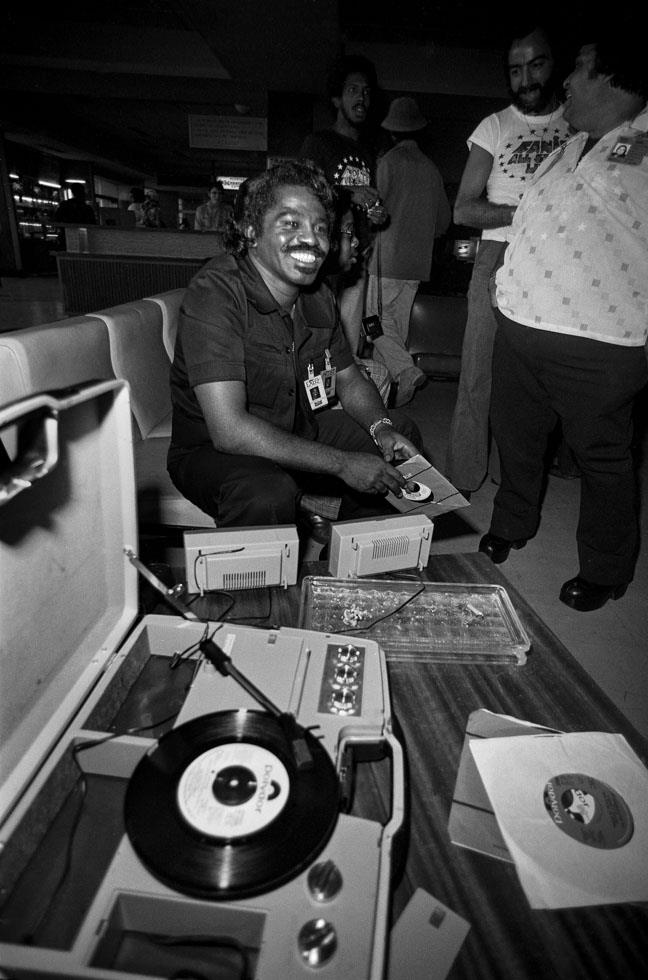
260 359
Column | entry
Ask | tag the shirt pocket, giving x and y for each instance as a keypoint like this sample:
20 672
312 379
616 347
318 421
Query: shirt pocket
269 375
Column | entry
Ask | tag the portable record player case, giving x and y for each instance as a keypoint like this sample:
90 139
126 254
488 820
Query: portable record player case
87 690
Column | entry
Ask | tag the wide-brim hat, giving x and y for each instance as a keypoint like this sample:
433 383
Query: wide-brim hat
404 116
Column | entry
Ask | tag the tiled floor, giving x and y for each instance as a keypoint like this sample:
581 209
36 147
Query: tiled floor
611 643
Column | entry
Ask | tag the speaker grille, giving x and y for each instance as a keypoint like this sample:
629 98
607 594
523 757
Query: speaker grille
391 547
244 580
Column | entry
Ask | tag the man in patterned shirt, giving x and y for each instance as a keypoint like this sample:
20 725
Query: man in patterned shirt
506 149
572 299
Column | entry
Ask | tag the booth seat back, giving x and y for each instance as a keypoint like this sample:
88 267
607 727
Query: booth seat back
169 304
139 356
69 352
54 355
436 330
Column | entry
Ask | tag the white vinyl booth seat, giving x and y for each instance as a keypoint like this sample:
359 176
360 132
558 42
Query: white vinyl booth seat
52 356
139 355
70 352
169 304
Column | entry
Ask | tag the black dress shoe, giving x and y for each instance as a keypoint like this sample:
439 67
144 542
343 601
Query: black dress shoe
586 596
498 549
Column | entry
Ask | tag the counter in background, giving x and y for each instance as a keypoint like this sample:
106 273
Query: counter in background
159 242
96 282
105 267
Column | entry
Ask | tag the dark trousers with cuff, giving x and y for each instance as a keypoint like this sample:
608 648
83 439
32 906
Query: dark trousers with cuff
539 377
248 491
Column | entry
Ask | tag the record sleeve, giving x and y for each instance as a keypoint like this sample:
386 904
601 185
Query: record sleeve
573 812
472 822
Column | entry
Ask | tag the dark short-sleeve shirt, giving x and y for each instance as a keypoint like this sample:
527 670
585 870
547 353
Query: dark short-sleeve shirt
346 163
230 328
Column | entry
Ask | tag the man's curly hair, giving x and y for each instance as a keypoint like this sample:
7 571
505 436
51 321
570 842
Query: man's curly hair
261 194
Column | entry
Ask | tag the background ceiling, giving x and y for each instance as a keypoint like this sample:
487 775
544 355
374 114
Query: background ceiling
116 83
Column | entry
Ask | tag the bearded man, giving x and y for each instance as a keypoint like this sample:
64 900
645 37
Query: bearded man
505 150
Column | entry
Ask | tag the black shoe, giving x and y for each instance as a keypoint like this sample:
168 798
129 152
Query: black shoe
320 528
498 549
586 596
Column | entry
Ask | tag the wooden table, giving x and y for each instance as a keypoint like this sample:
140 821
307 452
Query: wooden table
432 703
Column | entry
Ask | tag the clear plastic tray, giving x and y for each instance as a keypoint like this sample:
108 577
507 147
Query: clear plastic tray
434 621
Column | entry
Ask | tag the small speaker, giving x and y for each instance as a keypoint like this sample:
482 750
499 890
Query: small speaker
241 558
383 544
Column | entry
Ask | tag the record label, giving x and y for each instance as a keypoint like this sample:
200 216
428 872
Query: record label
588 810
422 492
233 790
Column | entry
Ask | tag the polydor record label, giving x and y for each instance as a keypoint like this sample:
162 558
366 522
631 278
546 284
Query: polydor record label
233 790
588 810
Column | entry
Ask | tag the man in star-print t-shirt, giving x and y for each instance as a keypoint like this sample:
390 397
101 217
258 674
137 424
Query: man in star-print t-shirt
506 149
348 161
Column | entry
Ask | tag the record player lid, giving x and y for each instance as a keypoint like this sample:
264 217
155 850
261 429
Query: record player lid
68 594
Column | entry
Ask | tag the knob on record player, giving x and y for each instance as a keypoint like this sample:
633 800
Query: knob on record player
324 881
317 941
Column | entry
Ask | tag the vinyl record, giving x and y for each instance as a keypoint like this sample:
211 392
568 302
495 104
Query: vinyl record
218 809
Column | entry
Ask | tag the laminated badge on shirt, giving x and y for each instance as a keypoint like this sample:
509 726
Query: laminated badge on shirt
630 148
328 376
320 387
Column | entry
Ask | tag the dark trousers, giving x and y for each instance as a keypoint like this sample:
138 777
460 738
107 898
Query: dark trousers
251 490
540 377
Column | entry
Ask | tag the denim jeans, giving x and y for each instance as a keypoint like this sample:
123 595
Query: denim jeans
397 298
469 437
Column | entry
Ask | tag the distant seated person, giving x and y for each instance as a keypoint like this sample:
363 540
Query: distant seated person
260 359
138 199
146 209
152 212
214 214
75 210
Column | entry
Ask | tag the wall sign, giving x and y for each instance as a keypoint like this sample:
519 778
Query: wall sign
228 132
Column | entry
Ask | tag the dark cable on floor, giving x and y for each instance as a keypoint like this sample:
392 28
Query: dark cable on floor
221 616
